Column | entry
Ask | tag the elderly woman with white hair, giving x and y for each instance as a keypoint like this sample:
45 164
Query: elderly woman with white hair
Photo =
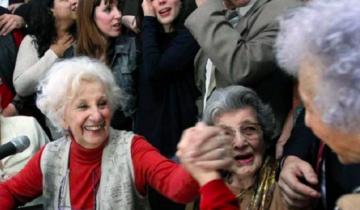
94 166
240 111
320 44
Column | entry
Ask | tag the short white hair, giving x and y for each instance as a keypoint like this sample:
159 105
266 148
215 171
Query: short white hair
63 80
328 32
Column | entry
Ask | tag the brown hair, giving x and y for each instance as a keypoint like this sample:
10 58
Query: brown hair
91 41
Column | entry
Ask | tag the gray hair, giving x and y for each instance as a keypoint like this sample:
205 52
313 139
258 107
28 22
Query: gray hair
64 78
232 98
327 32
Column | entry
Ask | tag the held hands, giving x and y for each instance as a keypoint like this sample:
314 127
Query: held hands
62 44
9 22
296 194
148 8
203 150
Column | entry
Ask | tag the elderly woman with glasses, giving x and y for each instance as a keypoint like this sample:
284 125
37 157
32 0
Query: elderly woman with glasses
241 113
94 166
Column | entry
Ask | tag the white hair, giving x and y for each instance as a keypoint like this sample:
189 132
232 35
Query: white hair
63 80
236 97
327 32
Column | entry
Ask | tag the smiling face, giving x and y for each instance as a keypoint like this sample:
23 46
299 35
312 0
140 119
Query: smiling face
248 144
108 18
344 144
88 114
166 11
65 9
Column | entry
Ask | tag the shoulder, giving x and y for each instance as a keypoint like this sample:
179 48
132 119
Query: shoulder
23 122
124 39
28 39
57 145
27 43
277 8
120 136
125 44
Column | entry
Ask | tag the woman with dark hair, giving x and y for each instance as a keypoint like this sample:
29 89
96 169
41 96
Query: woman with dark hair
50 33
100 36
167 91
250 184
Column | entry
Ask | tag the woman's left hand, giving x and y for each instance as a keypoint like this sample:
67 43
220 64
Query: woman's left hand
204 150
148 8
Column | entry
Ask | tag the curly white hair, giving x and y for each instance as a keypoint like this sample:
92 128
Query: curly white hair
328 32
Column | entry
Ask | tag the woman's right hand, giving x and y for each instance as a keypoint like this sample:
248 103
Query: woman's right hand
131 22
148 9
62 44
204 150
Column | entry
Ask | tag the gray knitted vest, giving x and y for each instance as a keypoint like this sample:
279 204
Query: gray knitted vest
116 190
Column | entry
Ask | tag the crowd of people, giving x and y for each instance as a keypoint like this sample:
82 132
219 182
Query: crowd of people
180 104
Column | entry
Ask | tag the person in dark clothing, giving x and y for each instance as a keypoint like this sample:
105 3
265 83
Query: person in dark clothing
167 91
9 43
335 178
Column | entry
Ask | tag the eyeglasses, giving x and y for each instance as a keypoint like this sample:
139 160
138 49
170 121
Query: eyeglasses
247 130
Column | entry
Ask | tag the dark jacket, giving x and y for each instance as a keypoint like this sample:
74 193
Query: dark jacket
340 179
167 91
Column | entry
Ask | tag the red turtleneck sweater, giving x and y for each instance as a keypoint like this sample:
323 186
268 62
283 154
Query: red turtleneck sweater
150 168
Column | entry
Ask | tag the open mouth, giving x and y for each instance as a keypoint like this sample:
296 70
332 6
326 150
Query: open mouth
244 159
165 11
94 127
116 26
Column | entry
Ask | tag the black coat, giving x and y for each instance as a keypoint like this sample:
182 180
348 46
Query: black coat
167 91
340 179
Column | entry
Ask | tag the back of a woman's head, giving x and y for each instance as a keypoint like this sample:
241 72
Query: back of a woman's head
41 24
325 33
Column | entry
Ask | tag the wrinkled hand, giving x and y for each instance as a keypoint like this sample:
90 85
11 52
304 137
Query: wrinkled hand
130 22
203 150
13 7
148 9
9 22
62 44
295 194
348 202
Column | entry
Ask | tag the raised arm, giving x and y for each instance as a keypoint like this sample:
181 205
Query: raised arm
244 54
24 186
174 60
